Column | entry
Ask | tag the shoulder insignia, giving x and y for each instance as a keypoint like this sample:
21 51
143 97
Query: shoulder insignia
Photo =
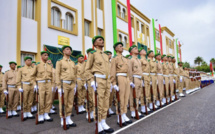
59 59
93 51
37 63
130 57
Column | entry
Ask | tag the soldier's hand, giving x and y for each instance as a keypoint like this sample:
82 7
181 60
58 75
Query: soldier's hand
59 92
75 88
143 84
55 89
35 88
93 85
116 88
5 92
111 87
85 85
20 90
132 85
163 81
173 80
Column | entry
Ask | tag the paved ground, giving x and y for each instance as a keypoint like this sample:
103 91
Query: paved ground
194 114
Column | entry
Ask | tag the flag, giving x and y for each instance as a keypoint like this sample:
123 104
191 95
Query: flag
211 68
85 57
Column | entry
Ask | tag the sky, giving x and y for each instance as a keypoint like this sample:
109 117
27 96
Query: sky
192 22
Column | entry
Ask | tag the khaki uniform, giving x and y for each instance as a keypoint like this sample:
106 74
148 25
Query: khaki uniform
146 77
13 93
186 79
2 96
112 93
181 83
119 64
66 71
160 80
135 69
53 85
98 63
42 73
175 73
166 78
80 82
24 78
171 77
153 77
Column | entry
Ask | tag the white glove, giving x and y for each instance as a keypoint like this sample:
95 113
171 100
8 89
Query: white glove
143 84
76 86
35 88
150 83
181 78
85 85
5 92
93 85
59 92
111 87
163 81
173 80
55 89
132 85
20 90
116 88
52 89
157 81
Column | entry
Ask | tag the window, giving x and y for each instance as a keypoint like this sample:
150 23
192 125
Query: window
28 8
23 55
119 12
87 28
147 31
120 38
170 43
125 42
142 29
123 13
138 27
157 33
99 31
55 16
99 4
132 22
69 22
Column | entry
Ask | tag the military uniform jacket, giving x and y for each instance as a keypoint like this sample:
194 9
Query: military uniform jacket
135 67
54 76
186 74
145 65
79 71
170 67
1 79
165 68
180 71
24 75
65 70
9 78
153 66
175 71
159 67
119 64
97 63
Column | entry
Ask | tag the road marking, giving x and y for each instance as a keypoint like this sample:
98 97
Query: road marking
145 117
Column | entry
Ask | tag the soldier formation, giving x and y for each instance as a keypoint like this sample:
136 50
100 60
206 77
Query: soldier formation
140 79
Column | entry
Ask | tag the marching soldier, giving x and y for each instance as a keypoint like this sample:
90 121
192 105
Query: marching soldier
119 73
42 74
171 77
175 74
34 104
112 92
19 105
98 67
186 79
181 79
2 96
23 78
80 83
9 82
135 79
66 77
160 79
146 82
165 76
153 77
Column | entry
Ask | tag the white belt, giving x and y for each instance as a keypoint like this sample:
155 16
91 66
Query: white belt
67 81
175 75
145 73
137 76
27 83
11 86
191 76
171 75
166 75
43 81
160 74
152 73
101 76
78 78
181 76
121 74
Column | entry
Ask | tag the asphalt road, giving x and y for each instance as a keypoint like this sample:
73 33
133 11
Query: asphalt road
194 114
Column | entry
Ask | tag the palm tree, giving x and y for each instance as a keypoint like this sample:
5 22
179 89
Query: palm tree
187 64
204 63
212 61
198 60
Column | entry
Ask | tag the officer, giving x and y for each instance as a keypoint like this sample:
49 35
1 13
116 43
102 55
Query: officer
2 96
165 77
181 79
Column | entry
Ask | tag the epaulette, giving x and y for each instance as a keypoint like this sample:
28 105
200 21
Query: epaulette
93 51
37 63
130 57
59 59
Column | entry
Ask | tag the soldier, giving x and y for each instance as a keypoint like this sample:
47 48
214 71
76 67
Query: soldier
98 66
135 79
171 77
187 80
160 79
9 82
112 92
181 79
119 73
19 105
80 83
54 87
146 82
34 104
66 77
165 76
153 77
23 78
2 96
42 74
175 74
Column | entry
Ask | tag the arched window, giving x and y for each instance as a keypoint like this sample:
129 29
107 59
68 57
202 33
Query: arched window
125 42
69 22
120 37
123 13
55 16
119 12
28 8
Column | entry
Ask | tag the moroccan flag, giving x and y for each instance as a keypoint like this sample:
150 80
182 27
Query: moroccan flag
85 57
211 67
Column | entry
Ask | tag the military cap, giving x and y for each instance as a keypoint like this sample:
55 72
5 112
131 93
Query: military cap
42 52
12 62
180 62
172 57
140 49
89 50
168 56
65 46
116 44
1 66
150 51
107 52
19 66
133 46
127 56
157 54
26 58
164 55
96 37
49 58
33 62
80 55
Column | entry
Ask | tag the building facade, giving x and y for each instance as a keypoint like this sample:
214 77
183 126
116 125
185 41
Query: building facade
30 26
